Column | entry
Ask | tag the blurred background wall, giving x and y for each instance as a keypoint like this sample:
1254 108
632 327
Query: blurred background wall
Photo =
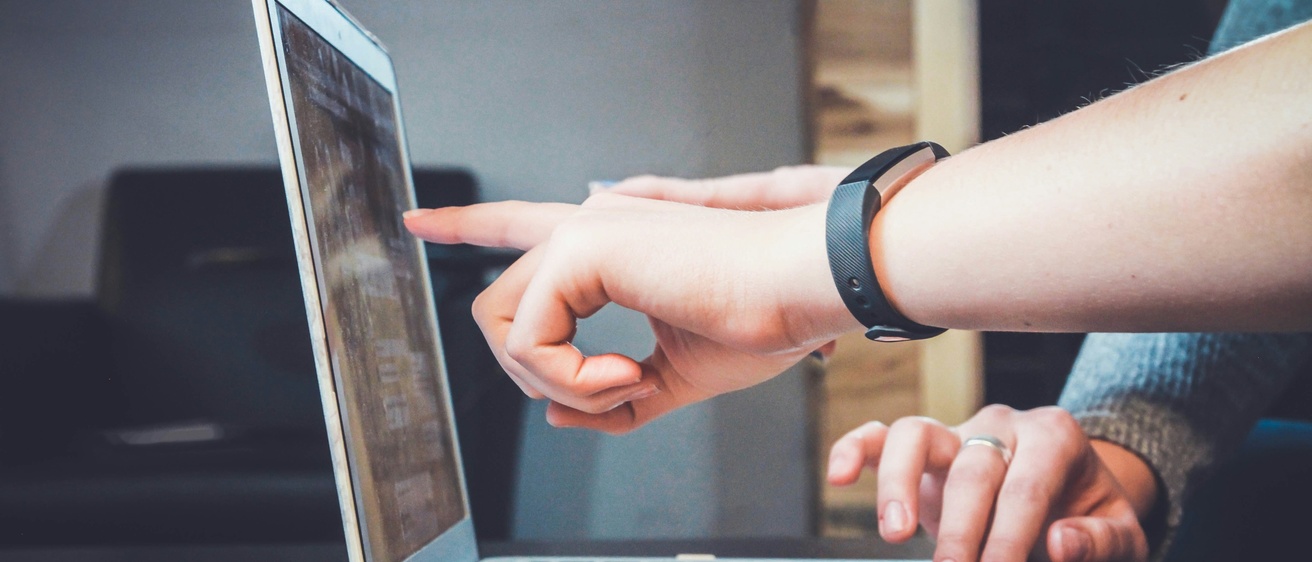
535 99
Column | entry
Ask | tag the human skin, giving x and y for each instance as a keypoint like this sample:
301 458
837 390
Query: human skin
1061 498
1183 204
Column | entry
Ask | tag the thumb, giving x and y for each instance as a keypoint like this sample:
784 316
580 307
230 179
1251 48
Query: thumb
673 394
1090 539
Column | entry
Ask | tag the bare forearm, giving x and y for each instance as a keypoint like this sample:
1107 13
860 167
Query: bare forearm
1184 204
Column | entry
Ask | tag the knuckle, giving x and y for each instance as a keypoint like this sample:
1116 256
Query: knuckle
919 423
851 438
849 442
1059 431
519 349
480 307
914 426
868 429
571 235
995 411
1054 418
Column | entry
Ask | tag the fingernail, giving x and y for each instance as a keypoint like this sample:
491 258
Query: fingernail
894 519
1075 544
635 396
647 392
412 213
557 423
599 185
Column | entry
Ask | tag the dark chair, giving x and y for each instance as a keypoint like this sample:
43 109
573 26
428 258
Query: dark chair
1255 506
181 404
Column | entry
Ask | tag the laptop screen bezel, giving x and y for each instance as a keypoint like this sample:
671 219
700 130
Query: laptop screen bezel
344 33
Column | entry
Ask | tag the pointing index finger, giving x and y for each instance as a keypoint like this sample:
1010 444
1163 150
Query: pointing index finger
505 224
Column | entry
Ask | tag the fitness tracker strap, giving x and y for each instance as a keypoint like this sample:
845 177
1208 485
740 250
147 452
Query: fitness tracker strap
847 235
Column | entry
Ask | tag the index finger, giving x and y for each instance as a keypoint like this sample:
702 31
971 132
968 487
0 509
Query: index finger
504 224
914 447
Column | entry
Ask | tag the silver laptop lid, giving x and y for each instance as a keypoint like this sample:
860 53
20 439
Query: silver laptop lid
367 291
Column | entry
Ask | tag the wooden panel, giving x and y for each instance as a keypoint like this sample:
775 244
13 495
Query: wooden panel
888 73
946 62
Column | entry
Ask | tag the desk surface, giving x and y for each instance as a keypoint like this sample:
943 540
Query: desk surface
917 548
322 552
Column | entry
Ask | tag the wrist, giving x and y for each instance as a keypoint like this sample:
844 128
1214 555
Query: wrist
1132 473
894 281
811 309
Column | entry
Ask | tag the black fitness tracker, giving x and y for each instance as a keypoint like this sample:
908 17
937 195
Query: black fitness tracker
847 235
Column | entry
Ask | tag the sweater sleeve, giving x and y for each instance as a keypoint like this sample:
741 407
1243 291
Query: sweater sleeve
1180 401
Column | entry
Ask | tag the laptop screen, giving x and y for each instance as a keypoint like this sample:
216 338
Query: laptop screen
377 311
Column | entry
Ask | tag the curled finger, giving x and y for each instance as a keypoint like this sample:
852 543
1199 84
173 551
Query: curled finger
858 448
914 446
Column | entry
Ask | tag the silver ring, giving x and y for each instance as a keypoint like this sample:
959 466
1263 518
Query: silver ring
989 441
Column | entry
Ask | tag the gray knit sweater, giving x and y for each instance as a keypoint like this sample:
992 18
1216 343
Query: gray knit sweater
1180 401
1183 402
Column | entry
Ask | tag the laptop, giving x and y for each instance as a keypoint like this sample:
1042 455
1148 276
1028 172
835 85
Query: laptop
382 380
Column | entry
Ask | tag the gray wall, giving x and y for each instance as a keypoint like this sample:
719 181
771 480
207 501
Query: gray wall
90 86
535 98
